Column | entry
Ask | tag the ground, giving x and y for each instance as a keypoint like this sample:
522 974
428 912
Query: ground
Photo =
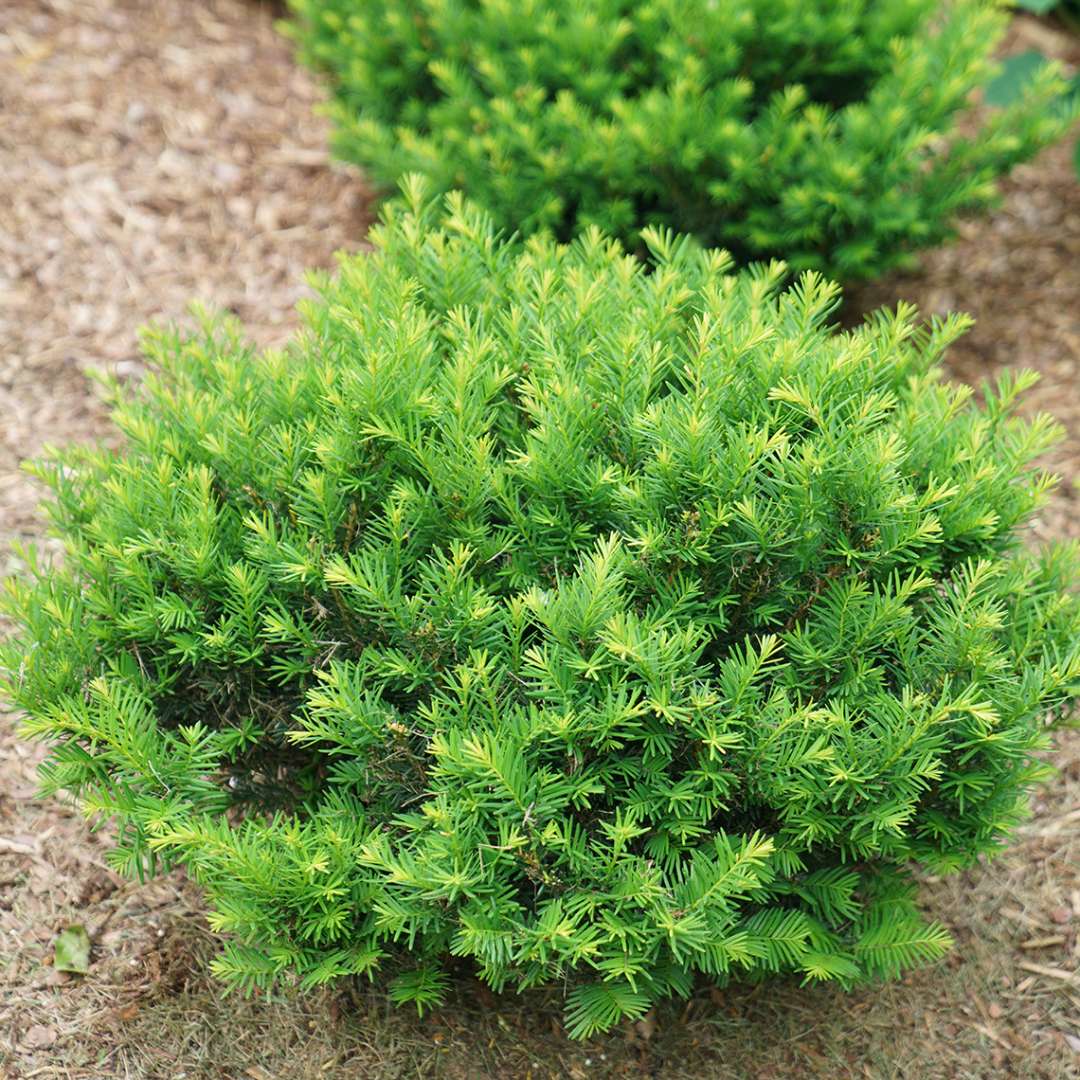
153 151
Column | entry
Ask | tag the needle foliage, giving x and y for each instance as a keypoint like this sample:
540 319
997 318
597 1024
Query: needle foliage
823 132
601 623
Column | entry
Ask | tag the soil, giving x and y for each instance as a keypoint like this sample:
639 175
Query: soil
155 151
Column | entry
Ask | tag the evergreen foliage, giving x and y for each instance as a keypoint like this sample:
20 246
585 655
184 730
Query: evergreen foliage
823 132
1067 9
593 621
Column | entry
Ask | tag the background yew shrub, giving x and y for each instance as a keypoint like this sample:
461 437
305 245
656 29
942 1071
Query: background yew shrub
823 132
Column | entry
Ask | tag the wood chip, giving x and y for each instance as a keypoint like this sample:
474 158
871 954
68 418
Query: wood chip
1043 942
1061 915
39 1037
1052 972
16 847
993 1035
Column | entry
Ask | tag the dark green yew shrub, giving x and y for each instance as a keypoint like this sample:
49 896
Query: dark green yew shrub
598 622
823 132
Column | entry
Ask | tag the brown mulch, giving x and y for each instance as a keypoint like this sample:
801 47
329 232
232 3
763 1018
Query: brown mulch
152 151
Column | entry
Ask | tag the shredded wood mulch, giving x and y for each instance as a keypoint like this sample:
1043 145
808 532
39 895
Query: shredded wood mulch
155 151
151 153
